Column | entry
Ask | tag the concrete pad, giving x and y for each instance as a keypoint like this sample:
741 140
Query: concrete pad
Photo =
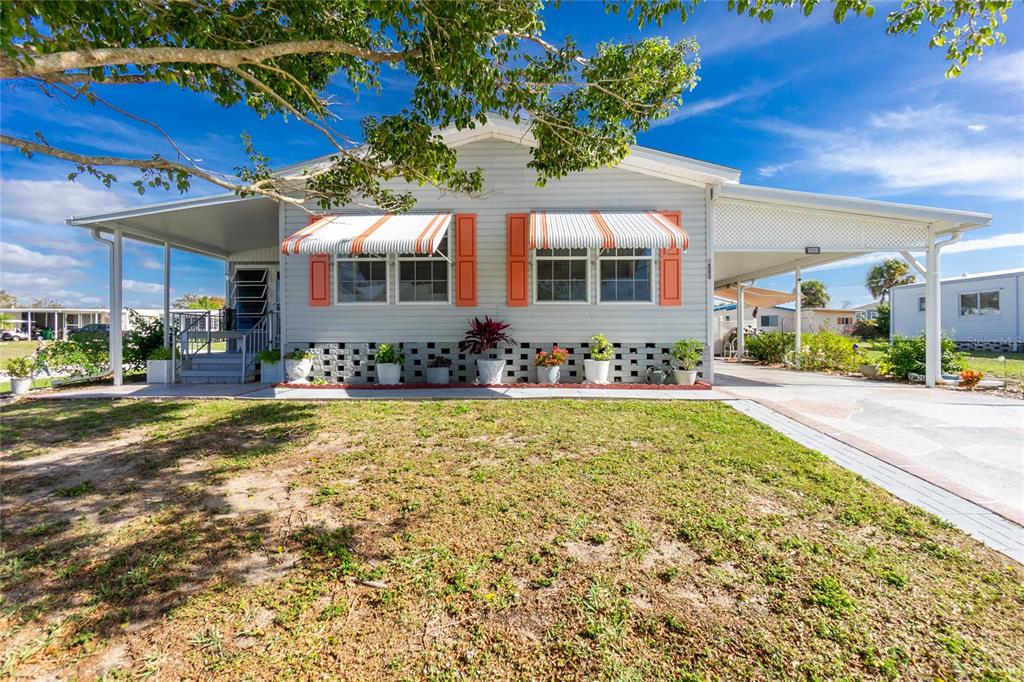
971 444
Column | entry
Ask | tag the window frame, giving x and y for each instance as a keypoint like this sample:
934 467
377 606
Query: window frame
921 303
849 320
336 288
652 258
977 294
431 258
760 321
536 281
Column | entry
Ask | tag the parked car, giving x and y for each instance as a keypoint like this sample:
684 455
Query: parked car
95 329
14 335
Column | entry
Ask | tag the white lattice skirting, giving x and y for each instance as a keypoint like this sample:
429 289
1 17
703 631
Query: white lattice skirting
352 363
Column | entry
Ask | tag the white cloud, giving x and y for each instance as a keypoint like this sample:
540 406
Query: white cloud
751 91
140 287
773 169
914 149
1001 68
977 127
736 35
152 264
17 257
53 201
1009 240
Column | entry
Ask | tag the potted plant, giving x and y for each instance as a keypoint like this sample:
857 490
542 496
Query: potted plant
597 365
483 336
20 371
298 364
271 371
549 364
158 366
389 364
686 353
438 370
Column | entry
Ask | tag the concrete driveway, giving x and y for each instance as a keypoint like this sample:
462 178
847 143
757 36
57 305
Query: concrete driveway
968 443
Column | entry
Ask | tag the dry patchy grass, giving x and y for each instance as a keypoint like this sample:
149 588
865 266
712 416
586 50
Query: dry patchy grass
446 540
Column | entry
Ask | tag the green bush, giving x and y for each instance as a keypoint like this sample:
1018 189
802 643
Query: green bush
866 329
770 348
687 352
828 350
161 353
906 354
144 338
82 355
21 368
882 321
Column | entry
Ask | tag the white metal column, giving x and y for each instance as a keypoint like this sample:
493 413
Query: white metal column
116 281
167 295
740 345
709 236
932 314
798 314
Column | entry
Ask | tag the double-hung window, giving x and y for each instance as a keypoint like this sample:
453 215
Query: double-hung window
424 278
920 304
625 276
362 279
561 276
979 303
769 320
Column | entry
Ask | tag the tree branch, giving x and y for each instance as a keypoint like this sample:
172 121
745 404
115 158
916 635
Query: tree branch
57 62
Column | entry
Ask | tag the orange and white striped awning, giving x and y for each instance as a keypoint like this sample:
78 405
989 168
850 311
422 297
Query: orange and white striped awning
371 233
604 230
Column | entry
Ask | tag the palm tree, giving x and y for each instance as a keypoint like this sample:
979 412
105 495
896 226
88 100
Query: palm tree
883 276
813 294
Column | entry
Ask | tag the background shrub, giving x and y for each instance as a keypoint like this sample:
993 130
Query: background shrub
828 350
906 354
144 338
770 347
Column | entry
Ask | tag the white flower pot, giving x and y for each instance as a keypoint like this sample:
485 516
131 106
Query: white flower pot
548 375
389 373
298 370
438 375
596 370
490 371
20 386
685 377
158 371
271 372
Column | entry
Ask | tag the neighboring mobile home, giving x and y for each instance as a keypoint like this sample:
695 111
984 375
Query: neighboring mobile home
979 312
634 252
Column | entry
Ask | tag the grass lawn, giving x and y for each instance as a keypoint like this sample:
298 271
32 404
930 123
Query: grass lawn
16 349
494 540
979 360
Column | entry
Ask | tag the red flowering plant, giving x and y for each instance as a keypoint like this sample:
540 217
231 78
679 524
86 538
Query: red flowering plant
556 357
483 336
969 378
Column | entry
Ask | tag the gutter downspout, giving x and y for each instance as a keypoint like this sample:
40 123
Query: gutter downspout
933 309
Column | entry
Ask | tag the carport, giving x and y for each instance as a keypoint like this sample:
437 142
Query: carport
760 232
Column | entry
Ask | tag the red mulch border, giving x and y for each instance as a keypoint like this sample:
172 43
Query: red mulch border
699 386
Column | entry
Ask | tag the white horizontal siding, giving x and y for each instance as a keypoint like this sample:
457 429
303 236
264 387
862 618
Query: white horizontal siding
510 188
267 254
908 320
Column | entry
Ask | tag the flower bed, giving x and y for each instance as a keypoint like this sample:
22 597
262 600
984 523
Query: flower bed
699 386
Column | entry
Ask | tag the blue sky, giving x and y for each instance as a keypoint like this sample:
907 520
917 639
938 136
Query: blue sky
800 103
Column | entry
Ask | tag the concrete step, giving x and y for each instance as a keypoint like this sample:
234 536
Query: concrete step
204 372
217 380
217 367
217 357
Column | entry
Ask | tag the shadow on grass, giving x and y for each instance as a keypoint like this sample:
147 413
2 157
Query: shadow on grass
111 511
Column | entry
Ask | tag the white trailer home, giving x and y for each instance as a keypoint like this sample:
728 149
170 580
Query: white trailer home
634 252
979 312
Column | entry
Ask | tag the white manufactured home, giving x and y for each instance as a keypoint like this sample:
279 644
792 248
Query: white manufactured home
979 312
634 252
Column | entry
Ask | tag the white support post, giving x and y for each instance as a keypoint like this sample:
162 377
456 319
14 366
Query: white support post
740 345
797 316
116 281
932 315
709 237
167 295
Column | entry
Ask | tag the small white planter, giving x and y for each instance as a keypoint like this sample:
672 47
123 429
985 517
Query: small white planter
438 375
549 375
20 386
389 373
271 372
685 377
158 371
297 370
490 371
596 370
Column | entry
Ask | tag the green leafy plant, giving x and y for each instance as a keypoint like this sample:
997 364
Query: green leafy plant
387 354
82 355
21 368
770 348
143 337
828 350
301 354
270 356
318 381
439 361
556 357
906 354
601 348
161 353
687 352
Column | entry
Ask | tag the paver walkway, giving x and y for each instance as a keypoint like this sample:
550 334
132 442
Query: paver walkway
968 443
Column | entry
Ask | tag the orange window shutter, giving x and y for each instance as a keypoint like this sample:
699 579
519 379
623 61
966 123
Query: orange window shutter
518 225
465 259
319 280
672 268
